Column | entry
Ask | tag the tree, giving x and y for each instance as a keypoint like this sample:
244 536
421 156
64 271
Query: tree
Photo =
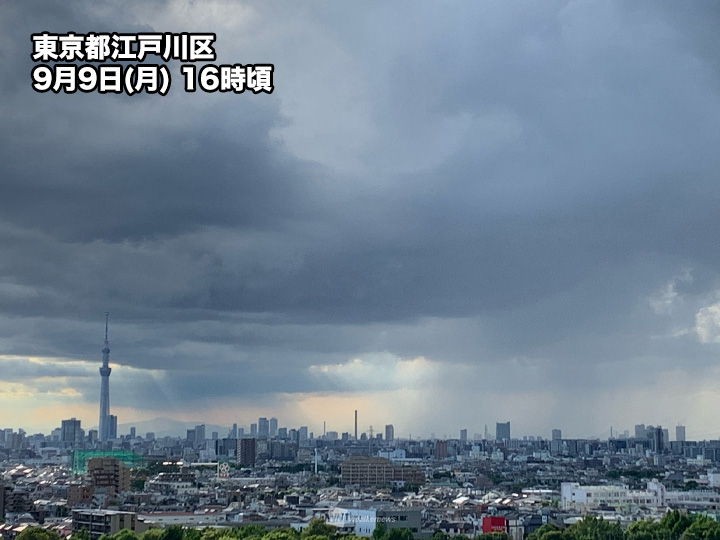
282 534
152 534
676 523
398 534
647 530
82 534
703 528
593 528
125 534
379 531
495 536
173 532
37 533
539 533
249 531
318 526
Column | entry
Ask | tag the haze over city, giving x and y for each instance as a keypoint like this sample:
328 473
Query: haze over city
444 216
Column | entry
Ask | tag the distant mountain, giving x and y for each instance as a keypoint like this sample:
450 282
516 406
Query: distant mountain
167 427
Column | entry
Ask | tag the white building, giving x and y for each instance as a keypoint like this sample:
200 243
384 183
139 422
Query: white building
584 498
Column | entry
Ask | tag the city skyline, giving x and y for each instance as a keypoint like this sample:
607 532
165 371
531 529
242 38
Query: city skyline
444 216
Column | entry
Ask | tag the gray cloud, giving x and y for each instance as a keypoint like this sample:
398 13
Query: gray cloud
479 184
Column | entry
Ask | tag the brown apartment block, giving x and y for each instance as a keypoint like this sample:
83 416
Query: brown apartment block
374 471
110 473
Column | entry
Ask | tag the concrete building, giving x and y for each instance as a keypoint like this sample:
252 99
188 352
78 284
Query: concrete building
71 434
587 498
99 522
680 433
374 471
556 435
273 427
389 433
110 473
246 452
362 519
263 428
502 431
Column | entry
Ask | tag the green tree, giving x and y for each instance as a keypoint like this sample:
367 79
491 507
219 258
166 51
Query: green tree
318 526
539 533
647 530
495 536
703 528
398 534
282 534
379 531
152 534
593 528
82 534
37 533
676 523
125 534
250 531
440 535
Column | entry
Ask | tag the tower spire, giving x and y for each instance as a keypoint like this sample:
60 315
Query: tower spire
105 426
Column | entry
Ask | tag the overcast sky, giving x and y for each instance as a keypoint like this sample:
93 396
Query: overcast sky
446 215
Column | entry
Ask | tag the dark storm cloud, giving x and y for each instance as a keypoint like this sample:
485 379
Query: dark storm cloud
523 179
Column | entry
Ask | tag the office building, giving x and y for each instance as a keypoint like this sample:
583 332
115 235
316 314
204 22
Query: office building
71 434
556 435
389 433
263 428
246 452
680 433
273 427
502 431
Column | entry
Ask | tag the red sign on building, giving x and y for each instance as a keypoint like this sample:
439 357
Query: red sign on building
493 524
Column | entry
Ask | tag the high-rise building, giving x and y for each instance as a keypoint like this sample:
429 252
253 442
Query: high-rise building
556 434
463 435
273 427
109 472
303 433
680 433
253 430
246 452
112 426
502 431
200 436
133 432
71 433
233 432
389 433
658 444
282 433
104 429
441 450
640 432
263 428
